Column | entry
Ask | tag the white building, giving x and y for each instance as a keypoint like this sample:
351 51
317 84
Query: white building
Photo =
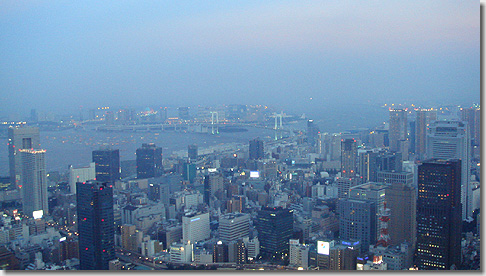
450 139
181 253
81 175
33 181
253 246
233 226
195 227
299 254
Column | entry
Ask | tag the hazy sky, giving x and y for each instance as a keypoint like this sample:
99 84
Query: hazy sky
58 55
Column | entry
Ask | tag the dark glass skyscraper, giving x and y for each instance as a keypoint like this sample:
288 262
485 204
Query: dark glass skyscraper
256 149
349 157
192 152
439 214
275 228
149 161
95 225
107 165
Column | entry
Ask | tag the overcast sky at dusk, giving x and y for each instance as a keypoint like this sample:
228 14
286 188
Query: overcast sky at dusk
60 55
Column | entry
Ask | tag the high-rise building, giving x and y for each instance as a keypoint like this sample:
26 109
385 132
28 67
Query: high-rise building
107 165
346 183
450 139
398 128
275 227
192 152
374 192
401 199
33 181
389 161
149 161
189 172
439 214
473 118
423 118
312 133
81 175
233 226
213 184
357 221
195 227
20 138
183 113
95 225
329 146
349 157
367 164
256 149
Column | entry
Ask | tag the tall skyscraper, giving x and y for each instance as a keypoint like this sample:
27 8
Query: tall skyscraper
439 214
398 128
33 181
149 161
349 157
374 192
367 164
473 118
107 164
450 139
423 118
192 152
401 199
256 149
275 227
357 221
329 146
20 138
95 225
312 133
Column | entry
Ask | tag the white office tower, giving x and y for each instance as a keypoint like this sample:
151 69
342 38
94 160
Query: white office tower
329 146
20 138
33 182
233 226
450 139
195 227
81 175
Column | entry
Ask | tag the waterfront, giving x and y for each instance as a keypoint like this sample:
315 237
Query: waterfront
74 146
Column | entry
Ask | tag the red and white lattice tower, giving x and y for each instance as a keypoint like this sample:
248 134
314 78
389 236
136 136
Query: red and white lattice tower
384 239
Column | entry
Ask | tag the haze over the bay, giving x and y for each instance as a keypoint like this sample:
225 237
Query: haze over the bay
303 56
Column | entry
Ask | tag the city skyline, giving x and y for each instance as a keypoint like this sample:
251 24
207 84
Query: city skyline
277 135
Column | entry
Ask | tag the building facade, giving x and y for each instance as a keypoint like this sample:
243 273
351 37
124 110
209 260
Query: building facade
107 165
95 225
149 161
439 214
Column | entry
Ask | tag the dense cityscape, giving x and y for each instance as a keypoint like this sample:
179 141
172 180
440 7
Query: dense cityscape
266 190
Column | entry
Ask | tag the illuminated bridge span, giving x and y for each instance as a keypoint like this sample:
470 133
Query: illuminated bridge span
183 127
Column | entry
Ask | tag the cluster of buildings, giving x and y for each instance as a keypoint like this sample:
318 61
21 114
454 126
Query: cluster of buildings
402 196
